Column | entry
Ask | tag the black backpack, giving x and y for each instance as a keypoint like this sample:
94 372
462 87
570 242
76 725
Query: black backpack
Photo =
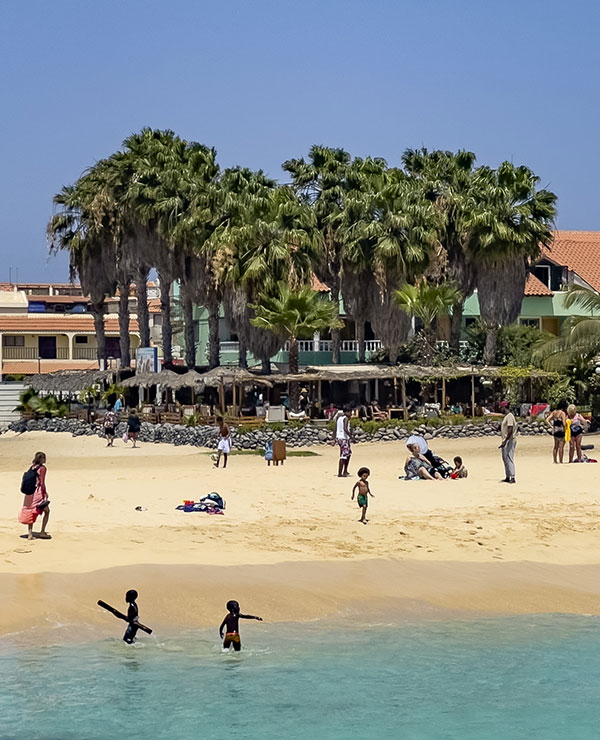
29 482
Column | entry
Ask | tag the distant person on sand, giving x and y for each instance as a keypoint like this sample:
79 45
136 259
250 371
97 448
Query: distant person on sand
342 437
231 626
362 484
119 404
133 427
418 466
557 421
109 423
459 469
36 502
508 430
577 425
224 446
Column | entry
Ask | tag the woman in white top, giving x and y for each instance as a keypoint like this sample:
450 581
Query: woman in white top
578 425
342 438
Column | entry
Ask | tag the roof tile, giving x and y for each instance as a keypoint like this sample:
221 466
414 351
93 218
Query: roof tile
579 251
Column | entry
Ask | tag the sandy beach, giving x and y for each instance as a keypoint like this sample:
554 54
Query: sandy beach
290 539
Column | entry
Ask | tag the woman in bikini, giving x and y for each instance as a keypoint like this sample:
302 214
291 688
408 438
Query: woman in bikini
578 425
36 503
557 421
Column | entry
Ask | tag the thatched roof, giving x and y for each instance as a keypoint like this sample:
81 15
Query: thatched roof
69 381
346 373
230 375
165 378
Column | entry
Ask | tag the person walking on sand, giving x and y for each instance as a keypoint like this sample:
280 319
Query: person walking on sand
342 437
224 446
508 430
557 421
36 503
133 427
109 423
362 484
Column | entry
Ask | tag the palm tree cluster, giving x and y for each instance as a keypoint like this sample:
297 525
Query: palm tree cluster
237 239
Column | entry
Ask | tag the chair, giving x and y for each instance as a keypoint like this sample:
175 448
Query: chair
276 413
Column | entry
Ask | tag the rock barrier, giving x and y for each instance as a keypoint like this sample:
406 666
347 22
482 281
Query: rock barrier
295 435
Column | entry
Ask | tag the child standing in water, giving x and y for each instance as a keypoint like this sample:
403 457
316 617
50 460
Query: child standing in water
132 616
362 484
230 624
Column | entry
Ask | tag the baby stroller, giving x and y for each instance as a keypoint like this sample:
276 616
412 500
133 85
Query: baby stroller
440 465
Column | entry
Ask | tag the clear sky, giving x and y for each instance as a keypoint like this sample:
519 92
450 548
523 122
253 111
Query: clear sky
262 80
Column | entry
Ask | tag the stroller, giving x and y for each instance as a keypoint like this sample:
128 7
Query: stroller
439 464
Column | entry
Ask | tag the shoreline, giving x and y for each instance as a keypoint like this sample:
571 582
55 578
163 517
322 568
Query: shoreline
50 608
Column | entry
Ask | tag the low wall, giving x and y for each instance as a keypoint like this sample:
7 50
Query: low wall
304 435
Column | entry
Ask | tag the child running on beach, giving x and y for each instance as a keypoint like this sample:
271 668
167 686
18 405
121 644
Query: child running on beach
459 469
362 484
230 624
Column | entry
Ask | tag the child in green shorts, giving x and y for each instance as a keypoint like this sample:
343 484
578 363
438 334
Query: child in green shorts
362 484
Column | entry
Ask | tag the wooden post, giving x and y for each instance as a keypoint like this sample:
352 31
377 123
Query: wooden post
222 398
443 394
320 395
395 391
404 409
234 399
472 395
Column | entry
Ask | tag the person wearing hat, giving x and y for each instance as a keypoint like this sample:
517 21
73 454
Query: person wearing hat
508 430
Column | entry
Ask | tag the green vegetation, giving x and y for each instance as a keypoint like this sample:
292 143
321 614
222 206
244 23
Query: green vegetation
47 406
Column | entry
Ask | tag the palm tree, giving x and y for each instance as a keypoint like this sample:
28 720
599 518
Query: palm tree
447 179
293 315
510 222
321 182
427 303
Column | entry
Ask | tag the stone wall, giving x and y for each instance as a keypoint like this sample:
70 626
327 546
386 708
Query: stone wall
304 435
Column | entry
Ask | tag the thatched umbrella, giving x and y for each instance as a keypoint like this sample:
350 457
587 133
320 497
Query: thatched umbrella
165 378
68 381
219 377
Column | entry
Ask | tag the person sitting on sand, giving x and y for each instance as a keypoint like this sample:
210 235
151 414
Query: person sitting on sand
133 427
417 466
224 446
459 469
362 484
231 626
37 503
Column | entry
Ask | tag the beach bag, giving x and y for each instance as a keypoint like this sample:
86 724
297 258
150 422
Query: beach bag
29 482
214 496
268 450
125 437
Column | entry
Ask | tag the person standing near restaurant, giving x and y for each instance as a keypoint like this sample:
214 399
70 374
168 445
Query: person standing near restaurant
341 437
508 430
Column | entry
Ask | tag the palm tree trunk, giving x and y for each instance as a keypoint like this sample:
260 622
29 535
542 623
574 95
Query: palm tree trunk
188 325
456 325
242 352
293 360
213 337
167 326
265 366
141 290
124 343
491 340
336 335
359 333
98 312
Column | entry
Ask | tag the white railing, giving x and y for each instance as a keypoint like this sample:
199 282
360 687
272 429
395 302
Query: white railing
349 345
84 353
372 345
325 345
444 344
229 346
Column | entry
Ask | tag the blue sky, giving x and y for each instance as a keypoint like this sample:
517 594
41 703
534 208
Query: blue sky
263 80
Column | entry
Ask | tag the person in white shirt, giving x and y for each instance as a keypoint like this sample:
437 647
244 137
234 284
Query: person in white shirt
341 437
508 430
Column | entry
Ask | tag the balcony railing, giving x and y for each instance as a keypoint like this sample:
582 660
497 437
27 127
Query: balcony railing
85 353
32 353
229 346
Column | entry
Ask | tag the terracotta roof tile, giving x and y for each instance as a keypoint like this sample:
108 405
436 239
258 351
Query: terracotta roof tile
317 285
535 287
29 367
579 251
154 305
34 323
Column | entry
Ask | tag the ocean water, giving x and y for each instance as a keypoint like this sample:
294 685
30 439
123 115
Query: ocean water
522 677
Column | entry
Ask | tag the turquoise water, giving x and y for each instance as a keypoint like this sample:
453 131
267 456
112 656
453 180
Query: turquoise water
522 677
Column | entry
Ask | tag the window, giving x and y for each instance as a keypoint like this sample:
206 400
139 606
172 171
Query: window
535 323
13 341
470 321
542 273
81 340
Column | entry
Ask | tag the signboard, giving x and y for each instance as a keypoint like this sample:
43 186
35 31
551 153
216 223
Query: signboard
146 360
